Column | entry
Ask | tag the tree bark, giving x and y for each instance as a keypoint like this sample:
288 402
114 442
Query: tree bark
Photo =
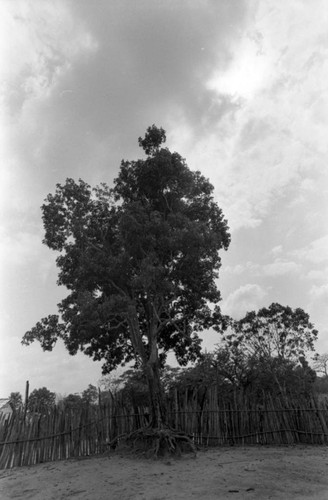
156 393
156 397
151 364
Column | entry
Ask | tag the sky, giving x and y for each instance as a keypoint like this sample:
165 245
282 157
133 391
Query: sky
240 88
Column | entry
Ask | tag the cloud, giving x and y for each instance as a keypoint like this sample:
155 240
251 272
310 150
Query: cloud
43 41
318 274
238 269
23 254
21 249
221 77
277 250
84 81
124 66
247 74
158 56
316 252
318 309
279 267
246 298
305 189
273 138
44 368
319 292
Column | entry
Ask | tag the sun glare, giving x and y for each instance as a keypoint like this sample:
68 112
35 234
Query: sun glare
246 75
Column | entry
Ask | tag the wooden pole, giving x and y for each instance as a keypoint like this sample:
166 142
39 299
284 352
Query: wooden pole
26 397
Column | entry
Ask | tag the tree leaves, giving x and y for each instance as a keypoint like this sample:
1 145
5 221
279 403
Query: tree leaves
47 332
154 137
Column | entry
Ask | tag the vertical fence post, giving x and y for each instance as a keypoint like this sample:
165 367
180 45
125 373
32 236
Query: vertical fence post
322 420
26 397
176 409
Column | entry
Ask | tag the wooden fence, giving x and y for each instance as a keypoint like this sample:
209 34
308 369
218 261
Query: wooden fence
67 433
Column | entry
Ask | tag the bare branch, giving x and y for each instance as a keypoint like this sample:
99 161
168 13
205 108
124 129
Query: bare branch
121 323
120 290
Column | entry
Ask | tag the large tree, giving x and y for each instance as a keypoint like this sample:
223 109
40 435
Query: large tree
140 261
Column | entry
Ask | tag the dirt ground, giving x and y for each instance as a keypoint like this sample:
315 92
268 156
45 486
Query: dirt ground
287 473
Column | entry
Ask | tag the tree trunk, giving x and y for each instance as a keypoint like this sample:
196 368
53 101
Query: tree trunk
156 397
156 393
151 365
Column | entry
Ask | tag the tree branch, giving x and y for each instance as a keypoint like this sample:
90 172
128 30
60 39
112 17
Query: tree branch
120 290
121 323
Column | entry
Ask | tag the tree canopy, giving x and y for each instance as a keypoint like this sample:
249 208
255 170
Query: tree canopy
16 400
273 332
267 349
321 363
140 261
41 400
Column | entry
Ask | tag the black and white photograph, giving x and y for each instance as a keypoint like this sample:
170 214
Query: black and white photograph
164 249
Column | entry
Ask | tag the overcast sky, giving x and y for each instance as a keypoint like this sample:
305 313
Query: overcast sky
241 87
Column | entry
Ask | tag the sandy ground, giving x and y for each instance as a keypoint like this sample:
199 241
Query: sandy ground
221 473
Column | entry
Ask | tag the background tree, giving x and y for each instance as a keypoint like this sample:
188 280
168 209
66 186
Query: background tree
41 400
140 261
321 386
266 349
134 389
110 387
194 382
90 395
73 401
170 376
131 387
16 400
320 363
276 331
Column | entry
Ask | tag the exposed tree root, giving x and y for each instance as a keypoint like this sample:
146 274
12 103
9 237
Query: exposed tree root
154 443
